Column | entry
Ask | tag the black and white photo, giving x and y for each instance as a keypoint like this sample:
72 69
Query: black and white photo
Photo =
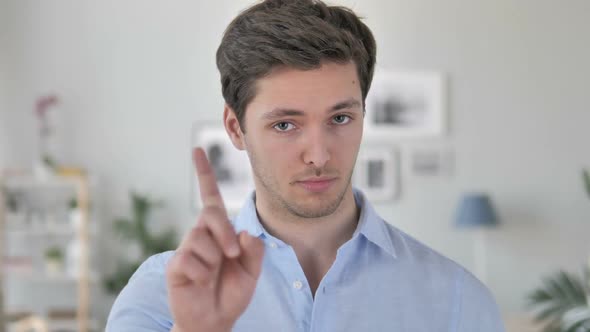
230 165
405 104
377 172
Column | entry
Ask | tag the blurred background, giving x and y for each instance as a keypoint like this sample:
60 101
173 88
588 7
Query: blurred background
99 101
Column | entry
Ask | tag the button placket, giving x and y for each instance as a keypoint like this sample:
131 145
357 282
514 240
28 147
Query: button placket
296 281
297 284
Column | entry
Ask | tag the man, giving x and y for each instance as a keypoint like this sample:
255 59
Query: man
307 252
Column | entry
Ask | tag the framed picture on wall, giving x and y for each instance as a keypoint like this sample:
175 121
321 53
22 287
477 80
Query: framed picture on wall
377 173
405 104
432 161
231 166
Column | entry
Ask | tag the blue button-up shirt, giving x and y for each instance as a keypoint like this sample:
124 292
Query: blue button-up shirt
382 280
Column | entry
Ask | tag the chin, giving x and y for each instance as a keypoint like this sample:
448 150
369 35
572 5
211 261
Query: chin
317 205
311 212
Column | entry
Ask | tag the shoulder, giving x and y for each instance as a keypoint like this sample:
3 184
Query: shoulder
474 306
416 254
154 265
412 251
143 303
477 308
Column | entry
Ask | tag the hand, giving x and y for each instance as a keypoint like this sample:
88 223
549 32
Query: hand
213 274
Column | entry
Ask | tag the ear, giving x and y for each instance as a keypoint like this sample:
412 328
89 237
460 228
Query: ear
232 127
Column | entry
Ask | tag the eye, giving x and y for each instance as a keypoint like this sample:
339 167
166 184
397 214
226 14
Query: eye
283 126
341 119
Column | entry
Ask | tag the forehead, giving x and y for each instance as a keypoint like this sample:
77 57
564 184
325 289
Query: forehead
307 89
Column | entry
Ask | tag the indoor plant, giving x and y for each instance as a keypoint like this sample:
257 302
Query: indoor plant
563 301
54 258
135 230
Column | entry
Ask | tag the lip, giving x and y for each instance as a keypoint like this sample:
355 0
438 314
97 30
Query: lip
317 185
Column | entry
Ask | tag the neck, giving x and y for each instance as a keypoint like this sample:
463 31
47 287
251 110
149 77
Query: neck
314 240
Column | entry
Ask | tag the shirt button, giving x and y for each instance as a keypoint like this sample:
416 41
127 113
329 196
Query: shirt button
273 245
297 284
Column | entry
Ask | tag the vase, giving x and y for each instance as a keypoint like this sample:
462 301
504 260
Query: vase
53 267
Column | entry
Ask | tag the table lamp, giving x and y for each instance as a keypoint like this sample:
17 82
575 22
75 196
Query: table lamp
476 212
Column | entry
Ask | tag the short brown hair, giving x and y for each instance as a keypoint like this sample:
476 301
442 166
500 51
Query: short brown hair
293 33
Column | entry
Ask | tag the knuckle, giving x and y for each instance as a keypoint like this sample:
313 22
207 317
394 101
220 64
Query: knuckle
209 251
215 256
229 238
212 211
176 263
196 233
182 259
189 238
212 190
187 264
202 220
216 221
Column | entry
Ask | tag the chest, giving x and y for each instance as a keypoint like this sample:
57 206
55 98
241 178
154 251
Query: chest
354 295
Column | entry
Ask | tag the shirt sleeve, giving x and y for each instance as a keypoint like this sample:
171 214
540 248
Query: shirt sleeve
143 304
478 310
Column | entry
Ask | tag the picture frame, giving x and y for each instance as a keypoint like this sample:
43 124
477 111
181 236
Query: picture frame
406 104
377 172
432 161
231 166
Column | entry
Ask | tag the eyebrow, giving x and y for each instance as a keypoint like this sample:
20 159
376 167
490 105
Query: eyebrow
282 112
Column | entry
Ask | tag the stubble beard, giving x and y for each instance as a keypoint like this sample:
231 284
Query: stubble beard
326 208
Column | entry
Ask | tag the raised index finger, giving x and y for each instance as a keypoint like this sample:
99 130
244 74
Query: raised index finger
210 195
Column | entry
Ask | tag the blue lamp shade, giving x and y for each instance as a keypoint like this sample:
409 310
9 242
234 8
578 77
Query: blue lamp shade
476 210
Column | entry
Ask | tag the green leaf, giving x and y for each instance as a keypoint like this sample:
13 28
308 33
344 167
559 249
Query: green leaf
49 162
586 177
135 228
577 319
558 295
125 228
54 252
116 282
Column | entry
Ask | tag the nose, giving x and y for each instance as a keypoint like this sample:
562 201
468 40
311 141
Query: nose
316 151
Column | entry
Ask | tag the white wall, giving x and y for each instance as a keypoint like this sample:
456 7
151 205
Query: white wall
3 82
519 117
22 58
134 75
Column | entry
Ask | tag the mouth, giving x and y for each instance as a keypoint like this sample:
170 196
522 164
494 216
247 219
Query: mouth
316 185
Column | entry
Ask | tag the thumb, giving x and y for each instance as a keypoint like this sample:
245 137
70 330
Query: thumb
252 254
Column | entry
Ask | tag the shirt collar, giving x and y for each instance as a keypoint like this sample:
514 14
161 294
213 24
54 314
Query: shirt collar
370 225
247 218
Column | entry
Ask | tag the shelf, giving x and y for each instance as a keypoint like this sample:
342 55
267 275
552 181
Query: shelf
35 276
55 324
70 325
46 231
31 182
39 223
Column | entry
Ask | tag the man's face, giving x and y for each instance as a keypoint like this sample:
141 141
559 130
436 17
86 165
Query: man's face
303 132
